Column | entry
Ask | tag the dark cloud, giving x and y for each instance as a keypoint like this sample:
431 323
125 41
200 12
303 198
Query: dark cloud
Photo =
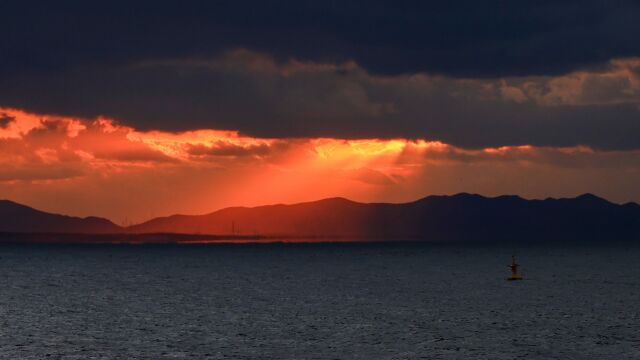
49 127
252 93
457 38
223 148
164 65
5 120
369 176
14 173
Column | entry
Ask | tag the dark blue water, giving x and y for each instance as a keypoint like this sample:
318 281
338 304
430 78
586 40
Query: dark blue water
338 301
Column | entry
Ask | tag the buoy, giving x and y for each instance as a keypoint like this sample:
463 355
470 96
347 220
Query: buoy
514 269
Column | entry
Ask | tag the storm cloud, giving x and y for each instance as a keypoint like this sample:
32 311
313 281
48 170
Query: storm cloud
472 74
462 38
256 95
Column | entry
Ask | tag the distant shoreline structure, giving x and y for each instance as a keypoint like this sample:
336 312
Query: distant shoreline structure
167 238
200 239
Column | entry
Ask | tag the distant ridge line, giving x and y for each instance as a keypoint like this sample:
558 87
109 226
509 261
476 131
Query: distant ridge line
459 217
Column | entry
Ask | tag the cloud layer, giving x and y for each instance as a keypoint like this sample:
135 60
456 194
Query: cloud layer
254 94
471 74
461 39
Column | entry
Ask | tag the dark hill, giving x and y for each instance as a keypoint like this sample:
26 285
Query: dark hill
439 218
442 218
17 218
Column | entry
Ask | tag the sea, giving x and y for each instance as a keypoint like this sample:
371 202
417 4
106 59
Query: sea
395 300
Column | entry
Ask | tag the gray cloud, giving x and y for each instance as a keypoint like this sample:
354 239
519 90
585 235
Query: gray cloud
259 96
465 38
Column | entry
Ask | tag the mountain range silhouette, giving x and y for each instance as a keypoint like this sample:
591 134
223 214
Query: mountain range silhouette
19 218
461 217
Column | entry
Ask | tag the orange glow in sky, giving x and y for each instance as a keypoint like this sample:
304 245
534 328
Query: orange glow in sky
100 167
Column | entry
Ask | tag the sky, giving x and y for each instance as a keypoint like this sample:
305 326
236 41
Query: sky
136 110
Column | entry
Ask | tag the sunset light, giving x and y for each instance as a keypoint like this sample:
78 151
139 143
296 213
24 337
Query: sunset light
355 180
199 171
